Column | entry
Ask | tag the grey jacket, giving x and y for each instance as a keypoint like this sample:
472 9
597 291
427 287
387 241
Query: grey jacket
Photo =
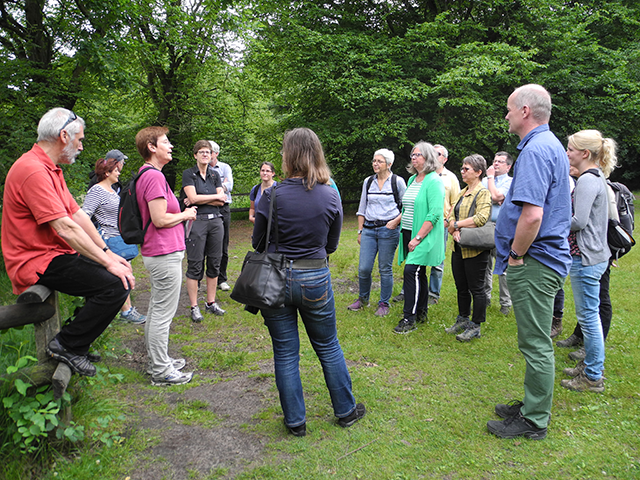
591 218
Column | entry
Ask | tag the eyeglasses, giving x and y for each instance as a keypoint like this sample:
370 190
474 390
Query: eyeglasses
415 155
465 169
499 161
375 160
72 117
204 152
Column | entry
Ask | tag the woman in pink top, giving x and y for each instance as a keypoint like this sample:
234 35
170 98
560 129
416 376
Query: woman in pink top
162 253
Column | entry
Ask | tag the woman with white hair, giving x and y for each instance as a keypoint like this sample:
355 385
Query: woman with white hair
378 233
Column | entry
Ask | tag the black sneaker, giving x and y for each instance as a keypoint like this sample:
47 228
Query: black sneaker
299 431
356 415
405 326
399 298
78 363
94 357
516 426
509 410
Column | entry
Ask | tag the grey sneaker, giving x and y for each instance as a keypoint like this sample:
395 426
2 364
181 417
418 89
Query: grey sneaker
196 316
224 286
178 364
472 331
174 377
508 410
575 371
399 298
571 341
458 326
133 316
578 355
214 308
505 310
405 326
582 383
432 300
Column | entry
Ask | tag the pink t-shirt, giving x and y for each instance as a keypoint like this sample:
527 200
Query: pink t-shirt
158 241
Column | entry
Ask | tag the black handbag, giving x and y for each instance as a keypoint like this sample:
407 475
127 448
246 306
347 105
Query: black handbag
262 281
481 238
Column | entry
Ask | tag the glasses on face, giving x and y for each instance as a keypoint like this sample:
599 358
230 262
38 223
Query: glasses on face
377 161
204 153
499 161
415 155
465 169
72 117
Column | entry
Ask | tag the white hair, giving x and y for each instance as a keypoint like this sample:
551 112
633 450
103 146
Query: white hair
387 154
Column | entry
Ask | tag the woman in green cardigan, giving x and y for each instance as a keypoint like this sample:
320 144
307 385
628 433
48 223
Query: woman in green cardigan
422 233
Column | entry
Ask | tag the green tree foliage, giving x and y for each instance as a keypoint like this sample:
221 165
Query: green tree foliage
367 75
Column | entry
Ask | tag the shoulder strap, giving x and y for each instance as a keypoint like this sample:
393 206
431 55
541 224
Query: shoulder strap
271 208
369 182
394 189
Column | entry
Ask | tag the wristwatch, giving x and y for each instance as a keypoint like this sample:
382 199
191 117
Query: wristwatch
515 256
359 231
419 238
106 247
489 176
455 225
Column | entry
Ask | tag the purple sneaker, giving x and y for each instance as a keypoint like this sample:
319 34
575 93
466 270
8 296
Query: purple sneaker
383 310
359 304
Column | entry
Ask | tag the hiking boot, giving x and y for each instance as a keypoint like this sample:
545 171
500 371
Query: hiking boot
224 286
472 331
422 316
78 363
133 316
405 326
359 304
174 377
516 426
399 298
556 327
578 355
196 316
508 410
383 310
214 309
575 371
459 326
505 310
571 341
353 417
582 383
299 431
177 363
432 300
94 357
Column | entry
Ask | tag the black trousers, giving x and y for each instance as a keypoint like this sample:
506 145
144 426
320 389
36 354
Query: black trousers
104 293
469 276
606 310
224 261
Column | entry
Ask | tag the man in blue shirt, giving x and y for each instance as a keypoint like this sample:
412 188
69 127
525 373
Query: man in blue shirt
531 242
498 182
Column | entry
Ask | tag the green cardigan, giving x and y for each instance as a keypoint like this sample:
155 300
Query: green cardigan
429 206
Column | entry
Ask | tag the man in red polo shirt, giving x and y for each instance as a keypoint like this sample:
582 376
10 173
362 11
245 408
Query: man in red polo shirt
47 239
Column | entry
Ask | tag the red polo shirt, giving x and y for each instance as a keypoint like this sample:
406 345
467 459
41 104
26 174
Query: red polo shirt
35 193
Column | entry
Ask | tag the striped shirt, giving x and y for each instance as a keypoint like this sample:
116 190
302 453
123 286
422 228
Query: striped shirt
103 205
408 202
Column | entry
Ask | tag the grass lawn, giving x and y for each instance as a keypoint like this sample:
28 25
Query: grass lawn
428 397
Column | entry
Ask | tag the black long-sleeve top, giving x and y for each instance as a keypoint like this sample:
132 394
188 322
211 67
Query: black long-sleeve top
309 221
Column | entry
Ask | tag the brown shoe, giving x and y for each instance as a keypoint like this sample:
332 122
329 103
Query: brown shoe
556 327
582 383
575 371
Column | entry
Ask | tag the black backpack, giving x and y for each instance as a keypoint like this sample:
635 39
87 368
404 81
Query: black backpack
129 216
626 211
394 189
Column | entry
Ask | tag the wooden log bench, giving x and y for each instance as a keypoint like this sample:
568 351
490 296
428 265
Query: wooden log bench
38 305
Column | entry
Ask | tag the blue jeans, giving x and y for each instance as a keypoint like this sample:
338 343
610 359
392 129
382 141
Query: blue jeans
585 283
383 242
308 292
435 279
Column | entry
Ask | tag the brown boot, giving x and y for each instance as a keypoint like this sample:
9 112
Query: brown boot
556 327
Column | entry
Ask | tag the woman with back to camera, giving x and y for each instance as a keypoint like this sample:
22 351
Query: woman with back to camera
594 157
378 233
267 172
470 264
422 233
162 253
102 203
309 216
